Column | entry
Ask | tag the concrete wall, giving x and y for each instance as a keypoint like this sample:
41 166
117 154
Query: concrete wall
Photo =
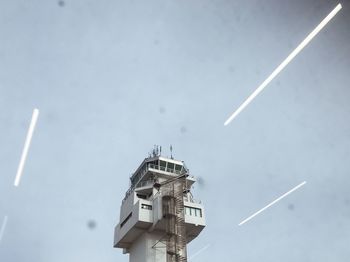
142 251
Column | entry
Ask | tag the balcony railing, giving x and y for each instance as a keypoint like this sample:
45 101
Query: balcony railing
143 171
192 200
145 183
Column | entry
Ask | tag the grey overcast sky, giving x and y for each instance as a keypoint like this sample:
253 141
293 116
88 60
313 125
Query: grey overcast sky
112 78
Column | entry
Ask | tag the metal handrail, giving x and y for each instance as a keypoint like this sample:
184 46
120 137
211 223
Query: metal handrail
192 200
144 170
145 183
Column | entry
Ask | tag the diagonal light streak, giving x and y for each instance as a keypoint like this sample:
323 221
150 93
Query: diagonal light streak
3 227
284 63
273 202
26 146
198 252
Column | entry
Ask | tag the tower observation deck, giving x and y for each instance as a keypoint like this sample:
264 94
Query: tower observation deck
159 215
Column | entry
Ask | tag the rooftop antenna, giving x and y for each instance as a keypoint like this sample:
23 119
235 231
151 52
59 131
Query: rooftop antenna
154 151
171 152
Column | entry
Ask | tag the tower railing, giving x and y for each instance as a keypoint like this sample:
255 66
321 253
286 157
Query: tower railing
143 171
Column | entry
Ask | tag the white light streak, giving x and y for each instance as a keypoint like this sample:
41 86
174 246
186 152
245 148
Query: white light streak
284 63
198 252
3 226
273 202
26 146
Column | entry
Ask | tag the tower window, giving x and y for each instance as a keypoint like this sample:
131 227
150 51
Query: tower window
198 212
177 169
145 206
162 165
170 166
125 220
192 211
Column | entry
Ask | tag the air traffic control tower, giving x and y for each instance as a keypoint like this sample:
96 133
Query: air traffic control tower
158 215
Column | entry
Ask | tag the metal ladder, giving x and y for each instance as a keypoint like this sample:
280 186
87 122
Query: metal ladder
173 213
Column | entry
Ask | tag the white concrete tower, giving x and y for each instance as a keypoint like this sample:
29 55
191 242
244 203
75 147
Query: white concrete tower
158 215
